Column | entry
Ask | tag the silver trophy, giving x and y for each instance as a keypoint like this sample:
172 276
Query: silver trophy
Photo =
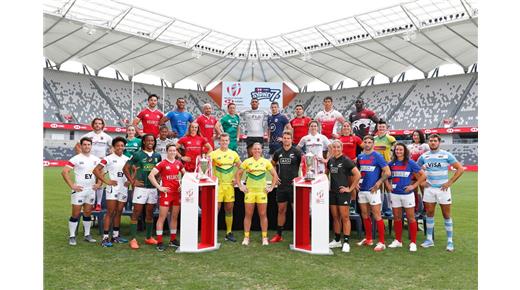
312 166
203 167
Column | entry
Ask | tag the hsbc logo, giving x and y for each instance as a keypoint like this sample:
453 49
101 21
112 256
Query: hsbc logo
427 131
54 125
118 129
474 129
46 163
449 130
407 132
76 127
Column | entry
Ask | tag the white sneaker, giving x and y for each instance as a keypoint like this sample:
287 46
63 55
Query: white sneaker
334 244
380 247
395 244
346 248
245 242
265 242
413 247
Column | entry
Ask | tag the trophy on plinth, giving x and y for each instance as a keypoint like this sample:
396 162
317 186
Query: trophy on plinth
203 167
311 162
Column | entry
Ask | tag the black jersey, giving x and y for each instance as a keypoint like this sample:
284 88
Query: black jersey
287 164
340 169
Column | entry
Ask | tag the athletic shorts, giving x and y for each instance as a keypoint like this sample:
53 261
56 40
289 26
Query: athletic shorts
81 197
255 197
170 199
119 193
402 200
226 193
434 194
252 140
284 193
369 197
340 199
144 195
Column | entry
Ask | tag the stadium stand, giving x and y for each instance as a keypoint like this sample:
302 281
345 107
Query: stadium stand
50 110
301 99
468 113
466 154
384 99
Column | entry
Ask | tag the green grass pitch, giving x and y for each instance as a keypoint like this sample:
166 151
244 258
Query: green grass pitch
256 267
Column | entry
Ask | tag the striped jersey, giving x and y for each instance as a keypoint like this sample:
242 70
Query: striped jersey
223 162
436 165
256 172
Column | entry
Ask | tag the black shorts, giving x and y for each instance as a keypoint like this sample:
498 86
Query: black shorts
252 140
284 193
340 199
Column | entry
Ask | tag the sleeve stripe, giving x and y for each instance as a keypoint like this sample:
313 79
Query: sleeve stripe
70 164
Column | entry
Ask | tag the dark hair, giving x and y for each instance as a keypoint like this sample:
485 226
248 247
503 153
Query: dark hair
298 106
170 145
136 132
85 139
198 129
287 132
328 98
97 119
406 152
228 105
381 122
435 136
118 139
422 139
368 137
144 138
152 96
254 99
275 103
163 127
180 98
224 135
314 121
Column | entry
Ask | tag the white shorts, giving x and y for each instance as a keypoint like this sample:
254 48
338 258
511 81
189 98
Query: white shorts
145 195
402 200
369 197
85 196
434 194
117 193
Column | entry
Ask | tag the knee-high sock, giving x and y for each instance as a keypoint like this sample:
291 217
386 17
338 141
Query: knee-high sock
86 225
398 225
412 227
368 228
448 225
133 229
99 196
430 223
229 221
73 225
381 230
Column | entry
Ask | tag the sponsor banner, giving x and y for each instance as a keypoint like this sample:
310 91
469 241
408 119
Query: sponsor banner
54 163
80 127
437 131
468 167
241 94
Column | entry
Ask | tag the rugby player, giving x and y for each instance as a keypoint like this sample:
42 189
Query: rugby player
350 141
179 119
276 122
255 190
194 145
83 188
208 125
133 143
255 122
436 163
362 119
163 141
317 144
383 143
224 161
230 124
299 124
329 118
150 117
417 148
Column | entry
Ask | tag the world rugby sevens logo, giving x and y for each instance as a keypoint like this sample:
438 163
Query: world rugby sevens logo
234 90
189 196
320 197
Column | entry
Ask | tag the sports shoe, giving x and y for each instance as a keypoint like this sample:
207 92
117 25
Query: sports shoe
119 240
133 244
333 244
380 247
427 244
346 248
230 237
97 208
365 242
450 247
265 242
106 243
413 247
352 210
89 239
395 244
72 241
160 247
150 241
173 244
277 238
245 242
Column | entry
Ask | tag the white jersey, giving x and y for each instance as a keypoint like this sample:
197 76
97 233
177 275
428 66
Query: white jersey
316 145
416 150
329 121
114 166
160 147
100 143
83 166
255 122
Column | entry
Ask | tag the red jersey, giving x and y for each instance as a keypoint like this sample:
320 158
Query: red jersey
193 146
170 173
207 127
150 120
350 144
300 128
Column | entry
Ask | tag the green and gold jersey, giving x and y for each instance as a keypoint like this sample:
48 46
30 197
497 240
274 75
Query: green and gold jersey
144 162
132 146
256 172
384 145
223 165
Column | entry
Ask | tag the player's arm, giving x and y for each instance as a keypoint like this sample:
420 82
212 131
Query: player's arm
458 173
164 119
388 185
238 132
218 129
154 181
136 121
354 181
238 180
100 175
385 173
420 177
68 180
274 181
208 147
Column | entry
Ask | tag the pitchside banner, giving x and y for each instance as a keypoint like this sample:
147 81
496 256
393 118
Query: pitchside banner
241 94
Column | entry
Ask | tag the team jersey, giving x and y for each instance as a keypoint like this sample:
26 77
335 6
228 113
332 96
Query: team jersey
254 122
132 146
169 172
370 166
300 128
83 166
361 122
339 169
256 172
287 164
150 120
230 125
350 145
402 173
145 162
383 145
193 147
436 165
160 146
328 121
276 124
179 121
316 144
100 143
207 127
223 165
113 164
417 150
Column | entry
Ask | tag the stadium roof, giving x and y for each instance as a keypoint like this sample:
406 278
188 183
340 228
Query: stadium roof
423 35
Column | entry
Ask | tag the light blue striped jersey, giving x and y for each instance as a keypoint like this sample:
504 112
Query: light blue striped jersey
436 165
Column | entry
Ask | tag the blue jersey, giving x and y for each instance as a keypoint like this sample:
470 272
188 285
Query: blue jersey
402 173
179 121
436 164
370 166
276 125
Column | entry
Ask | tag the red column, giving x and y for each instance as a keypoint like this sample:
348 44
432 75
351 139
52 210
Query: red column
207 216
302 222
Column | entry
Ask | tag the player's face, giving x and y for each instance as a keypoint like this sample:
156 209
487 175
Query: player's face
381 129
86 147
433 143
194 127
346 130
327 104
207 111
130 131
274 109
336 149
399 152
368 144
172 151
299 111
257 151
181 103
119 148
232 109
163 133
152 102
254 104
359 105
149 143
313 128
286 140
98 125
415 137
224 142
